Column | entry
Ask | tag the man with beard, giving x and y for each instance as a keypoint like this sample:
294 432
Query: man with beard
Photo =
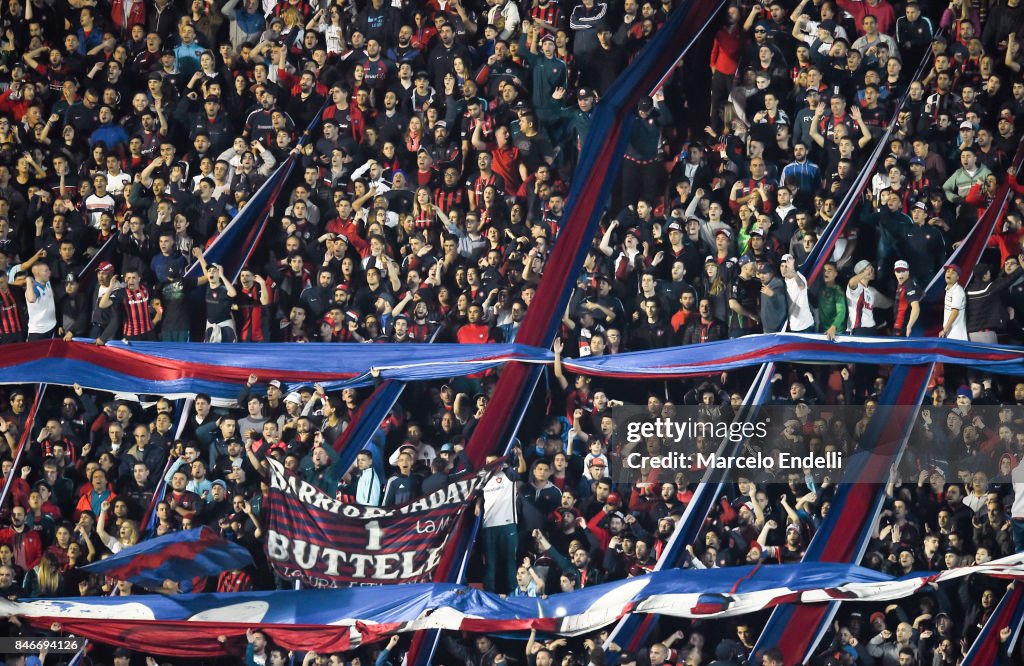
315 299
259 125
25 542
668 502
705 327
441 59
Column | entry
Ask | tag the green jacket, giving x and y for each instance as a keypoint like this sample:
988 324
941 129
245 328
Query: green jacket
832 308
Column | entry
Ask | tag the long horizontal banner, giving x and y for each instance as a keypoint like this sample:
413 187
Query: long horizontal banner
726 355
325 542
189 624
182 369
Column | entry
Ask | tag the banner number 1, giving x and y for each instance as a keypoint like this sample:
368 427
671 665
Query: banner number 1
373 535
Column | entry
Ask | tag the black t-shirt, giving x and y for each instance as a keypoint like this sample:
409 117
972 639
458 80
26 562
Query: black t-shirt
748 293
174 297
218 305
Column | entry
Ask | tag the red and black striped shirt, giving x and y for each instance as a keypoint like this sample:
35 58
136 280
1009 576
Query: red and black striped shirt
135 312
447 200
10 318
251 311
551 14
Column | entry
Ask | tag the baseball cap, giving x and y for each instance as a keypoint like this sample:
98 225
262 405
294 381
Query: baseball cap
447 448
598 462
105 267
547 38
953 266
964 391
213 98
276 383
70 279
828 25
787 257
901 266
293 398
220 482
757 232
766 268
584 93
614 498
645 104
861 266
916 160
966 125
675 226
920 204
723 231
877 615
744 260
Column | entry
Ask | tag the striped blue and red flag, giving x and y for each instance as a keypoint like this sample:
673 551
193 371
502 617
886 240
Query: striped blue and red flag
178 556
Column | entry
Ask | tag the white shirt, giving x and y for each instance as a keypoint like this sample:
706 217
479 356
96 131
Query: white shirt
800 316
42 314
116 184
956 298
500 501
860 304
975 502
96 205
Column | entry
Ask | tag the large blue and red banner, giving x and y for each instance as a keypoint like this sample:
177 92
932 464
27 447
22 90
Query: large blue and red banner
324 620
324 541
183 369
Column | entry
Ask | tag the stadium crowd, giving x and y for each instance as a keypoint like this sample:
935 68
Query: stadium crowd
424 207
